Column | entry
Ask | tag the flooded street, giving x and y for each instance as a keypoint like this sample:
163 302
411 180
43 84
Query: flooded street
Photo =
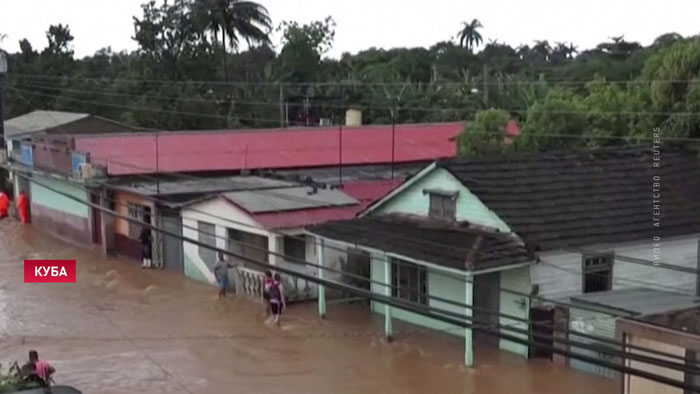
121 329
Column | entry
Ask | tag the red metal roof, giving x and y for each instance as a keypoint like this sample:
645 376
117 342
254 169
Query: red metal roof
269 149
365 191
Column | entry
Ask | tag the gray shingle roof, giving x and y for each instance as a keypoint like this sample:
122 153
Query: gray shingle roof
453 245
565 199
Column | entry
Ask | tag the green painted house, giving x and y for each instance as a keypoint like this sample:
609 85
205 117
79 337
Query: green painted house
433 243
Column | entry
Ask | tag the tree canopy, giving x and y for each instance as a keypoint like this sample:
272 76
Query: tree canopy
189 71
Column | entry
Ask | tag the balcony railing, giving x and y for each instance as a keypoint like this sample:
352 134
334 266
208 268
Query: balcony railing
250 283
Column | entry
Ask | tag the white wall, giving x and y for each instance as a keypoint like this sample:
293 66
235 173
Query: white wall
565 281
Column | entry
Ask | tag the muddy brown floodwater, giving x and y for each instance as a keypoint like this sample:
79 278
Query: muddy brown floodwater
121 329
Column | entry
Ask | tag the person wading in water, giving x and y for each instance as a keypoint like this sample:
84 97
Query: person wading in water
221 274
277 302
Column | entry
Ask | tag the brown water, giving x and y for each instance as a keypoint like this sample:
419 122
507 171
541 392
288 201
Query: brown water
123 330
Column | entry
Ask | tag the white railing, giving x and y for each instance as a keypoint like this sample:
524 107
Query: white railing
250 283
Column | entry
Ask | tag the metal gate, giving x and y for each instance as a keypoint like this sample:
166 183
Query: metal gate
172 247
541 322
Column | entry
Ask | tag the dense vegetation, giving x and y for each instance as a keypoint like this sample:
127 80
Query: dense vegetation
188 73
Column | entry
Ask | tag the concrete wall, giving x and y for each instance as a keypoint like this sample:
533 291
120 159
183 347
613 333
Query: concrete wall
57 213
413 200
559 274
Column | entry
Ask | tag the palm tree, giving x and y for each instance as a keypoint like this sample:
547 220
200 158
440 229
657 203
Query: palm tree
470 35
235 20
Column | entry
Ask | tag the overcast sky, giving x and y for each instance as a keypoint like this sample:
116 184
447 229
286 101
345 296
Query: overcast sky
379 23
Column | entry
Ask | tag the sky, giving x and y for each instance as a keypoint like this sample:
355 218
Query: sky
362 24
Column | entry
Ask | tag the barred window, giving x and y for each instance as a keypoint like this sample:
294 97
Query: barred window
597 272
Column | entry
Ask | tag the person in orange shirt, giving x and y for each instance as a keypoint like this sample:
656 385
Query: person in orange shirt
22 205
4 204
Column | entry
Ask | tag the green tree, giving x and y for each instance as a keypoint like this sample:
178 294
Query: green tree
557 122
235 20
486 134
469 35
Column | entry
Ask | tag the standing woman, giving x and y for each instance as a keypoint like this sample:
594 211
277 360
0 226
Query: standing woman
4 204
266 292
23 207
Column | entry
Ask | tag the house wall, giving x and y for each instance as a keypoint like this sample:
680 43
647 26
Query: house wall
58 214
222 215
559 273
517 279
443 286
593 323
413 200
124 244
638 385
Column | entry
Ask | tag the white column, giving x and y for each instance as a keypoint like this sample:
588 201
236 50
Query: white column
388 330
468 300
321 288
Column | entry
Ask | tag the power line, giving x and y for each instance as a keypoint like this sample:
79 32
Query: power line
349 83
516 110
441 315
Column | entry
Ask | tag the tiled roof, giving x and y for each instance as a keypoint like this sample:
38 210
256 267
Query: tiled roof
565 199
453 245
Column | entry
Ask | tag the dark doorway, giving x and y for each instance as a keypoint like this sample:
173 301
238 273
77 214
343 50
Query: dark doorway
487 301
173 258
96 219
541 321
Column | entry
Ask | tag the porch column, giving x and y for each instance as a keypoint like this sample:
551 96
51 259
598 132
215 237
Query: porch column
321 288
388 330
468 300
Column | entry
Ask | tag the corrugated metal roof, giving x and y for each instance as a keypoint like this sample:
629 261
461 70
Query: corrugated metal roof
203 185
637 301
41 120
270 149
287 199
366 192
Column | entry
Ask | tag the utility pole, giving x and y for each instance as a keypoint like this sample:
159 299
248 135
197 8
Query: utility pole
157 168
486 86
3 72
282 109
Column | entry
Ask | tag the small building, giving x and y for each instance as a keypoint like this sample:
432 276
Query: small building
455 266
35 134
600 310
267 223
675 332
590 213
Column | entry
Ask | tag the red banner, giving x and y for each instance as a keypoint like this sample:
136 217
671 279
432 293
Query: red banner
49 271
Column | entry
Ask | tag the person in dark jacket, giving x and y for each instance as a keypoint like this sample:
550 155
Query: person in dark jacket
146 240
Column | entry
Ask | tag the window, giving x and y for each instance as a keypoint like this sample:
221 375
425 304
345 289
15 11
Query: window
409 281
207 236
140 213
295 247
248 245
442 205
597 272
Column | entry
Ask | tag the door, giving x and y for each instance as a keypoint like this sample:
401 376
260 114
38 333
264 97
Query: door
487 301
173 258
541 322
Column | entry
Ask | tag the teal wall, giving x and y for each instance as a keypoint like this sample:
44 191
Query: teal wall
517 279
438 286
412 200
43 196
